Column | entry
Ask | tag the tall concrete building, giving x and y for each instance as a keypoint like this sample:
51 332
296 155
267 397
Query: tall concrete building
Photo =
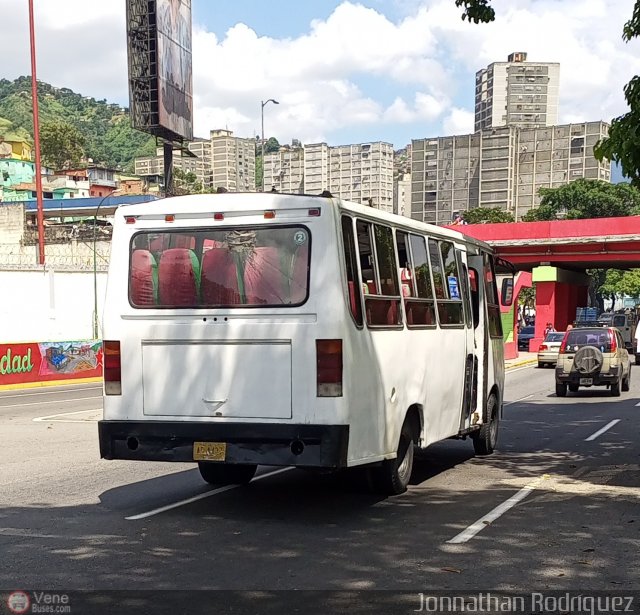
316 168
233 161
503 167
199 163
284 169
363 173
517 93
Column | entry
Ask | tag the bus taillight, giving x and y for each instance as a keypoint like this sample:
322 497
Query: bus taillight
329 368
112 368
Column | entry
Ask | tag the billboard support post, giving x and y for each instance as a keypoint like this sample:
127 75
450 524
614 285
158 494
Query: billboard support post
168 168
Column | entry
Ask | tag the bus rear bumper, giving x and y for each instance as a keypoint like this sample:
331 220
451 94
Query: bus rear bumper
277 444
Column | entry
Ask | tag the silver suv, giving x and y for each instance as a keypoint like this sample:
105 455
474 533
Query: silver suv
593 356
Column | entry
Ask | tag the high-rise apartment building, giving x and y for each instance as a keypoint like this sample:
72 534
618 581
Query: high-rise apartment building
316 168
363 173
284 169
233 161
517 93
503 167
198 163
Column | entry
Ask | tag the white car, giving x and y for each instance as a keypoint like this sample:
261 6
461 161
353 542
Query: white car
548 351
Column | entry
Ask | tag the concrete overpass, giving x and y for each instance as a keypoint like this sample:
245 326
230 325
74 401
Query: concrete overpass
557 254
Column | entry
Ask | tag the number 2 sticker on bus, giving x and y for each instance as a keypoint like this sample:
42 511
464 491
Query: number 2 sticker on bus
299 238
454 292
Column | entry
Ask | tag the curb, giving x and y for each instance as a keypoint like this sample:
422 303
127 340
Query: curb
48 383
522 363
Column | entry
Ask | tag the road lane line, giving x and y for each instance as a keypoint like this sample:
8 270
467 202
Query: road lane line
52 401
200 496
517 369
638 404
607 427
51 417
53 392
468 533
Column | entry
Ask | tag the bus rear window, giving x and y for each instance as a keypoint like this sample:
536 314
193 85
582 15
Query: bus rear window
243 267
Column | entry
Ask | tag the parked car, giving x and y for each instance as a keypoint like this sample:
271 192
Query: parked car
593 356
524 335
548 351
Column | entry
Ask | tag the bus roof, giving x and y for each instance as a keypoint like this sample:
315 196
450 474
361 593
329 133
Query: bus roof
232 201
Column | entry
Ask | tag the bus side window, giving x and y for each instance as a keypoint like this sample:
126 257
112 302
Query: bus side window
379 274
491 293
353 286
475 297
419 307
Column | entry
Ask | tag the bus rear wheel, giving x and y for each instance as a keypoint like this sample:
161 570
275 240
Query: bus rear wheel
393 475
486 438
216 473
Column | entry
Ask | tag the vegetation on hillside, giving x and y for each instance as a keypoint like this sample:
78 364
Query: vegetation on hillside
105 128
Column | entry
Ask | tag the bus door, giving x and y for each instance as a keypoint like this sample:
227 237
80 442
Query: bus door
469 294
476 361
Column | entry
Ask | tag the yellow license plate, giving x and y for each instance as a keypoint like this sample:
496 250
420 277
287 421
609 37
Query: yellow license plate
209 451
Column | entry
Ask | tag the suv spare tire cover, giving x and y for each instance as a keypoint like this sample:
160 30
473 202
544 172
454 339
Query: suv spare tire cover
588 360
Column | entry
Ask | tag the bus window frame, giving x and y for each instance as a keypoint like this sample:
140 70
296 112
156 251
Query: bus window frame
203 230
357 284
414 297
376 297
445 286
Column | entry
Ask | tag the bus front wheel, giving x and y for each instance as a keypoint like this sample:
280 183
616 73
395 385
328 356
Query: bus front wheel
393 475
486 438
216 473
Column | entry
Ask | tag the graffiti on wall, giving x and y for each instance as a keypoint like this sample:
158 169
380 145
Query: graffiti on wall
41 362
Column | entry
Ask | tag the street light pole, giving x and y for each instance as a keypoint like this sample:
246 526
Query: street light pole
263 103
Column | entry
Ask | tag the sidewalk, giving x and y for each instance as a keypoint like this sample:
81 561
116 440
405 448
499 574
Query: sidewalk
524 358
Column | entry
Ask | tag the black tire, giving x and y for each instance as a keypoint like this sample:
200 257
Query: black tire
392 476
541 365
637 358
574 388
615 388
561 389
216 473
486 438
626 383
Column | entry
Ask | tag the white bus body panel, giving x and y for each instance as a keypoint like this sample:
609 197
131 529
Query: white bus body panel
259 364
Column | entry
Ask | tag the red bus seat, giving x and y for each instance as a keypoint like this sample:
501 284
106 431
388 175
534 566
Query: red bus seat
264 282
178 278
219 280
144 278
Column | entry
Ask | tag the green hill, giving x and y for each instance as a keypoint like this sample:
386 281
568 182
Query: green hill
110 140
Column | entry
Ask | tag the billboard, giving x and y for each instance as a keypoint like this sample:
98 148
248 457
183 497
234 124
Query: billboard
160 69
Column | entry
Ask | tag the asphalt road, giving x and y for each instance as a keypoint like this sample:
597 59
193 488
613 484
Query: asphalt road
69 520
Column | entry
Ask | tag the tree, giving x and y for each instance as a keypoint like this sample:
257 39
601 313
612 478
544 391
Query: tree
61 145
623 143
481 215
586 198
186 182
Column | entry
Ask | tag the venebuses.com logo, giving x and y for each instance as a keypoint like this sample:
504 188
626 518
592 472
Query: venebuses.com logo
18 602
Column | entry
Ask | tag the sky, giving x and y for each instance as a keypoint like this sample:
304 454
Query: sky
342 71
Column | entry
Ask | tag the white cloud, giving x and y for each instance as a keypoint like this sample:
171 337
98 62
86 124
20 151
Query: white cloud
458 122
355 70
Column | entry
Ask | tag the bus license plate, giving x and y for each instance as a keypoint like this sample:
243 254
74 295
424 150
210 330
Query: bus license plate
209 451
586 381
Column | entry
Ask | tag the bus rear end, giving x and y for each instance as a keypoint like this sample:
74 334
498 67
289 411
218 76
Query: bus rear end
211 345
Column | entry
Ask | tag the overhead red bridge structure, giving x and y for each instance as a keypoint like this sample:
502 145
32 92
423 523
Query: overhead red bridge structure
555 255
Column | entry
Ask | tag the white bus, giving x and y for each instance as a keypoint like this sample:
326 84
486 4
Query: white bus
245 329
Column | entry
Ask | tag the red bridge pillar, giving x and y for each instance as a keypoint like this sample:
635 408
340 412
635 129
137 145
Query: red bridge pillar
558 293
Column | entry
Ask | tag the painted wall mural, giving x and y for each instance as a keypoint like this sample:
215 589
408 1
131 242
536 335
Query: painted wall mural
47 361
